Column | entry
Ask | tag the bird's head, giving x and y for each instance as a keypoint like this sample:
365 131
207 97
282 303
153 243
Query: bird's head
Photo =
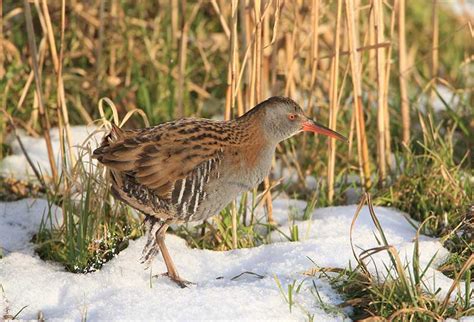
282 118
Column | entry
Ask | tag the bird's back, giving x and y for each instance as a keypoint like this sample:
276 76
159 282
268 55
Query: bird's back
182 170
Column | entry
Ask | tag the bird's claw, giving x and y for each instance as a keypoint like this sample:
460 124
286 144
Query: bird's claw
178 280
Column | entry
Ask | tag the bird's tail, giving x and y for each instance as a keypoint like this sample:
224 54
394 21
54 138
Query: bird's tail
114 135
151 248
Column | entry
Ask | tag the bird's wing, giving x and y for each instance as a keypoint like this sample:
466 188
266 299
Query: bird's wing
158 157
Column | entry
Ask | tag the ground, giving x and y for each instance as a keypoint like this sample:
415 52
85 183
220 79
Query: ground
124 289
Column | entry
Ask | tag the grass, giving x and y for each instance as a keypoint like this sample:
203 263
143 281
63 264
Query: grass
296 288
217 233
445 192
292 289
6 314
429 183
94 227
396 291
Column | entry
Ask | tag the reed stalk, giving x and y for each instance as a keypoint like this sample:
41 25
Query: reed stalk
245 88
371 66
434 47
256 88
238 94
2 75
247 28
259 87
253 73
180 110
183 47
388 63
333 101
63 115
2 54
403 73
315 8
266 54
41 58
41 108
230 96
174 10
356 70
380 65
232 65
258 50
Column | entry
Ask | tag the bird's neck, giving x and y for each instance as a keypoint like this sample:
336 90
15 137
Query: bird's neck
251 128
249 131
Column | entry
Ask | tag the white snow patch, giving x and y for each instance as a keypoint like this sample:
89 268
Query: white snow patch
444 98
291 177
20 220
122 289
461 7
16 164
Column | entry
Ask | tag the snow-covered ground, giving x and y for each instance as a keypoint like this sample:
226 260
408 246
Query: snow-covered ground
123 289
17 165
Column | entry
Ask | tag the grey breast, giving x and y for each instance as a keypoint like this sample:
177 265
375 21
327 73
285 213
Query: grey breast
211 186
228 185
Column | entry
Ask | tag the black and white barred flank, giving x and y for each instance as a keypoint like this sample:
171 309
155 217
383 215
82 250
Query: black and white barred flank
189 192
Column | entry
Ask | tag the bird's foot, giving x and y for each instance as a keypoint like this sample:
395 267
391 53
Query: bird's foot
178 280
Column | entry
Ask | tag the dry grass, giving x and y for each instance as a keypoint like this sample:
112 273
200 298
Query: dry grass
180 59
395 292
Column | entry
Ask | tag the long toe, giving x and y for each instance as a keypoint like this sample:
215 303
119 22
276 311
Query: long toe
178 280
182 283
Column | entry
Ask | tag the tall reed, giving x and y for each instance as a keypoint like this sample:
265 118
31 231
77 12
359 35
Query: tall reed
44 118
333 100
381 109
403 72
230 96
356 68
434 49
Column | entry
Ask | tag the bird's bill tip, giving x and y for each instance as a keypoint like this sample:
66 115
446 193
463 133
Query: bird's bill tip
315 127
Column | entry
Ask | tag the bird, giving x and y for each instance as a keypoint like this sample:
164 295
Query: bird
190 169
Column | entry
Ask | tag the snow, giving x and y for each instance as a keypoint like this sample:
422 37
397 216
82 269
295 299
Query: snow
461 7
17 165
124 290
445 97
290 177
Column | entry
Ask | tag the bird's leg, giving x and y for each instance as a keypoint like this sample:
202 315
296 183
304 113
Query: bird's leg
151 248
172 272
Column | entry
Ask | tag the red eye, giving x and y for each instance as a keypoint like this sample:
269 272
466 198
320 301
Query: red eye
292 117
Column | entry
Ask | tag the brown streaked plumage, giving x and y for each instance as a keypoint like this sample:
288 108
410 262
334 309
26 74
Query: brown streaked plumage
190 169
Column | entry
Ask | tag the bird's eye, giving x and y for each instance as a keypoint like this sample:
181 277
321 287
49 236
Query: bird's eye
292 117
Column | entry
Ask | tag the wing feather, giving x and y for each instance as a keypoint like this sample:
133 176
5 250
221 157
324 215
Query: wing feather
158 157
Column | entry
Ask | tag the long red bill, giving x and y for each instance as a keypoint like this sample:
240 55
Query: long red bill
314 127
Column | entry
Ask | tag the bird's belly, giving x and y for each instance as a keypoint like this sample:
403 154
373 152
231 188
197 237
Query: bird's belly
218 197
236 177
221 192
